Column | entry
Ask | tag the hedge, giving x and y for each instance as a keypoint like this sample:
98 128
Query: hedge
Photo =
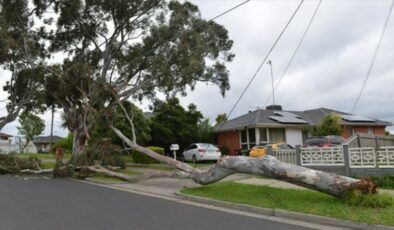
144 159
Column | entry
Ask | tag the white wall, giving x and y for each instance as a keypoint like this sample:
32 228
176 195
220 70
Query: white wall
294 136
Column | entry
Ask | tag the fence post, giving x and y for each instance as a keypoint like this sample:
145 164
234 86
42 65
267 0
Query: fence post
298 154
269 150
346 160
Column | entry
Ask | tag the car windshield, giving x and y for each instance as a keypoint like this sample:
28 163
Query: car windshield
207 146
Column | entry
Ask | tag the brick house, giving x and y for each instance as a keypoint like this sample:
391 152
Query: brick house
273 125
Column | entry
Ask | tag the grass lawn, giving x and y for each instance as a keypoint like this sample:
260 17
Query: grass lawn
305 201
41 155
108 179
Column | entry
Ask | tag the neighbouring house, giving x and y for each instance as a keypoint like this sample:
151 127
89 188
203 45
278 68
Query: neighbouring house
43 143
5 143
4 136
273 125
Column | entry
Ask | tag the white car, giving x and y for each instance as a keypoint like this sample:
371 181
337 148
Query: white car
201 152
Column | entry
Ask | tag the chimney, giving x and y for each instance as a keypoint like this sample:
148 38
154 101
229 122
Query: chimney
274 107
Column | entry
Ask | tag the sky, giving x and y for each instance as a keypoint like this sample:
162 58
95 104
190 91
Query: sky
328 70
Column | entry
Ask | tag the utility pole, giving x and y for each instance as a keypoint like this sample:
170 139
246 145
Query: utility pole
50 142
269 62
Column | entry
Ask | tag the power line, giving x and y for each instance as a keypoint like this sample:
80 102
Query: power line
386 22
295 51
227 11
264 60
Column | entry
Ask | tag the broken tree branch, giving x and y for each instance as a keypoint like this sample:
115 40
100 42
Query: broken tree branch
329 183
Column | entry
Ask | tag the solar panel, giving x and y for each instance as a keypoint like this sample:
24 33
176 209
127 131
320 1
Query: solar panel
286 114
289 120
355 118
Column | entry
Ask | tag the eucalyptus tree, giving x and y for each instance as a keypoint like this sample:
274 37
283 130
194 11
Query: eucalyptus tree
96 54
92 55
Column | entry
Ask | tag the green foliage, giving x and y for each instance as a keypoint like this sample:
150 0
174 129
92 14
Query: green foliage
141 125
329 125
30 126
224 150
65 143
105 154
173 124
168 48
144 159
386 181
221 118
356 198
11 164
205 131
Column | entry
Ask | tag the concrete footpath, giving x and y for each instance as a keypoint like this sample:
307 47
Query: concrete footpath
169 188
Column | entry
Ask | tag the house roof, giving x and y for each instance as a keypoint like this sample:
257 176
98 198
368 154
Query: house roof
4 135
46 139
268 118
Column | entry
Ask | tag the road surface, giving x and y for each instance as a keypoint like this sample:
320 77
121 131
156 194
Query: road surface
43 203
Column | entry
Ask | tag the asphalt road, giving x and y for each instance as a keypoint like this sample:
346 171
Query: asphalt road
39 203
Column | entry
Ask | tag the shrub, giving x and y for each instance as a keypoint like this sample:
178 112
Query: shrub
224 150
105 154
144 159
386 181
10 164
66 144
356 198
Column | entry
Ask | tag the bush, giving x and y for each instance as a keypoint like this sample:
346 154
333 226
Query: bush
386 181
66 144
144 159
224 150
105 154
356 198
10 164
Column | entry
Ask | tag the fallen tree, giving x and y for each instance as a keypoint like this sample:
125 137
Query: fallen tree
329 183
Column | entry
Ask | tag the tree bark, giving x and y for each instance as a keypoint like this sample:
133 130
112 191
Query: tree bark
79 141
328 183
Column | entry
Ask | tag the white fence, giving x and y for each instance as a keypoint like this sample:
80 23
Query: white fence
6 147
369 157
366 157
285 155
322 156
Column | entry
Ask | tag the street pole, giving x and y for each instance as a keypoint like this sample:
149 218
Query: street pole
269 62
50 142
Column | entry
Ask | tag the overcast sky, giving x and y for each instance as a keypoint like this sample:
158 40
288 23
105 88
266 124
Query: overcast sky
328 70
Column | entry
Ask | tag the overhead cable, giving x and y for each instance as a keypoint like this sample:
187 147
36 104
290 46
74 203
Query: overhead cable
295 52
263 61
229 10
386 22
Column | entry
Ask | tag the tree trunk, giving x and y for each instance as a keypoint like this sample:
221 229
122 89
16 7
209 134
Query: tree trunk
329 183
79 141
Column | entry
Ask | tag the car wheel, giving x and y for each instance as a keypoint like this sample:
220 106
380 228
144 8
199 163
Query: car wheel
194 159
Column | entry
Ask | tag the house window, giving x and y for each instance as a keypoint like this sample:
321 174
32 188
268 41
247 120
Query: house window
350 131
263 135
277 135
252 137
244 139
370 130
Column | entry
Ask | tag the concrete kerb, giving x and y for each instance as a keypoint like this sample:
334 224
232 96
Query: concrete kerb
285 214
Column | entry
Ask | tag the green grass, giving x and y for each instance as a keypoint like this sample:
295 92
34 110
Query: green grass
41 156
162 167
48 165
108 179
305 201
